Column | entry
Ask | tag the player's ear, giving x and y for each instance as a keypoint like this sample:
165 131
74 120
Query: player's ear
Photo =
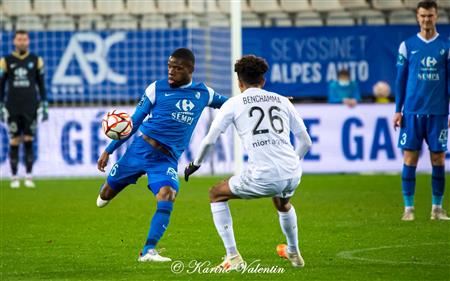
263 82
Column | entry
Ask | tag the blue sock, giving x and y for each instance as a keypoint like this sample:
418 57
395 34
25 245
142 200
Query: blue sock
159 224
408 185
438 184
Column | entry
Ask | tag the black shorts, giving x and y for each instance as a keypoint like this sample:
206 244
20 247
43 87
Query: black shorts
19 124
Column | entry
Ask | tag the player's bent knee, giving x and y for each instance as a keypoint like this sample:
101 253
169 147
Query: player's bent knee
282 204
437 158
166 193
15 141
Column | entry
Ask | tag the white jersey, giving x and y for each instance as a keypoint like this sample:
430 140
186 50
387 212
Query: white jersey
263 121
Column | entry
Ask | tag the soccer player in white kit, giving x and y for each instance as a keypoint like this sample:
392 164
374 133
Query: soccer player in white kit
263 121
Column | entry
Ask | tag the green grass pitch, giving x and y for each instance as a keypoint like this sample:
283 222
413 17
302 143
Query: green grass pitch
350 229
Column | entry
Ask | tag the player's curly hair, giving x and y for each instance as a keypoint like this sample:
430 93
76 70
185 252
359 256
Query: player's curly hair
251 69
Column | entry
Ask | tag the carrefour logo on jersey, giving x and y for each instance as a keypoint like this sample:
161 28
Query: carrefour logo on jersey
184 115
428 71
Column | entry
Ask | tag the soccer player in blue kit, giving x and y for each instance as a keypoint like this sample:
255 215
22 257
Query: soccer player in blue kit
166 116
422 106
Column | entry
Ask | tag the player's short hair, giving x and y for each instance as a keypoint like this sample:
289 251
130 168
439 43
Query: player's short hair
20 32
343 72
184 54
251 69
427 4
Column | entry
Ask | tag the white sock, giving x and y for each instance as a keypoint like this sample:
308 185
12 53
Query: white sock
409 209
224 225
101 203
288 222
436 207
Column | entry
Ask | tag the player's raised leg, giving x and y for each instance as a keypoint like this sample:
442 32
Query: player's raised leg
410 158
219 196
438 185
288 223
14 161
160 221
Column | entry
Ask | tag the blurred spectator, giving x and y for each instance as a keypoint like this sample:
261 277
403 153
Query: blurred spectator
381 91
344 90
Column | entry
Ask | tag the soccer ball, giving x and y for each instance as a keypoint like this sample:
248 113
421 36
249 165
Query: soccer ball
117 124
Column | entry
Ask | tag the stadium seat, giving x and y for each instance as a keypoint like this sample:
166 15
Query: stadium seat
224 6
354 4
340 18
443 4
443 17
17 7
110 7
5 23
369 16
251 20
172 7
290 6
410 3
308 19
30 23
278 19
199 7
46 7
266 6
388 4
137 7
403 17
123 21
326 5
154 21
183 21
60 22
79 7
91 22
219 20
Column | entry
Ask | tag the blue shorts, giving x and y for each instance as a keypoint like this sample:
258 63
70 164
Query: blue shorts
141 158
417 128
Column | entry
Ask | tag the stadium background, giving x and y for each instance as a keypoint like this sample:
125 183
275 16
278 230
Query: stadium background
102 54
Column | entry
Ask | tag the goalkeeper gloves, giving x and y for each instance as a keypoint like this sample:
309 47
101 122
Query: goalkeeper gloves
3 113
189 170
43 111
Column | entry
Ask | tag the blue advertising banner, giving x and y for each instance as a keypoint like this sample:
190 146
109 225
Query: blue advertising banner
303 60
118 65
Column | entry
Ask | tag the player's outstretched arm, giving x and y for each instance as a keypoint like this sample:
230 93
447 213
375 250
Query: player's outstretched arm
220 124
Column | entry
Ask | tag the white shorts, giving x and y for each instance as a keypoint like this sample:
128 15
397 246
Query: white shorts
244 186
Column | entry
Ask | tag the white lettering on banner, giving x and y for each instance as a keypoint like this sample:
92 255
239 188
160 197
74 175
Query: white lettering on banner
97 57
310 72
321 48
360 139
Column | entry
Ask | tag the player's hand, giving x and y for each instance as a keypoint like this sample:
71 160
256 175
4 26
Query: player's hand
397 120
43 111
3 113
103 161
189 170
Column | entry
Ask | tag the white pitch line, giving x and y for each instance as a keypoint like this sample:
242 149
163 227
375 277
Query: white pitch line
350 254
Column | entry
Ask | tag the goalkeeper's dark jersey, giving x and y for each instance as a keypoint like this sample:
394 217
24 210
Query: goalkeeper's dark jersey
20 78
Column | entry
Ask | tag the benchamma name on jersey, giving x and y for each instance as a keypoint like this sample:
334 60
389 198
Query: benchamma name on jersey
260 98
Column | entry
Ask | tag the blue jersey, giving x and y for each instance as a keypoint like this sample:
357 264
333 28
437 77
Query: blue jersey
423 76
169 115
337 92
